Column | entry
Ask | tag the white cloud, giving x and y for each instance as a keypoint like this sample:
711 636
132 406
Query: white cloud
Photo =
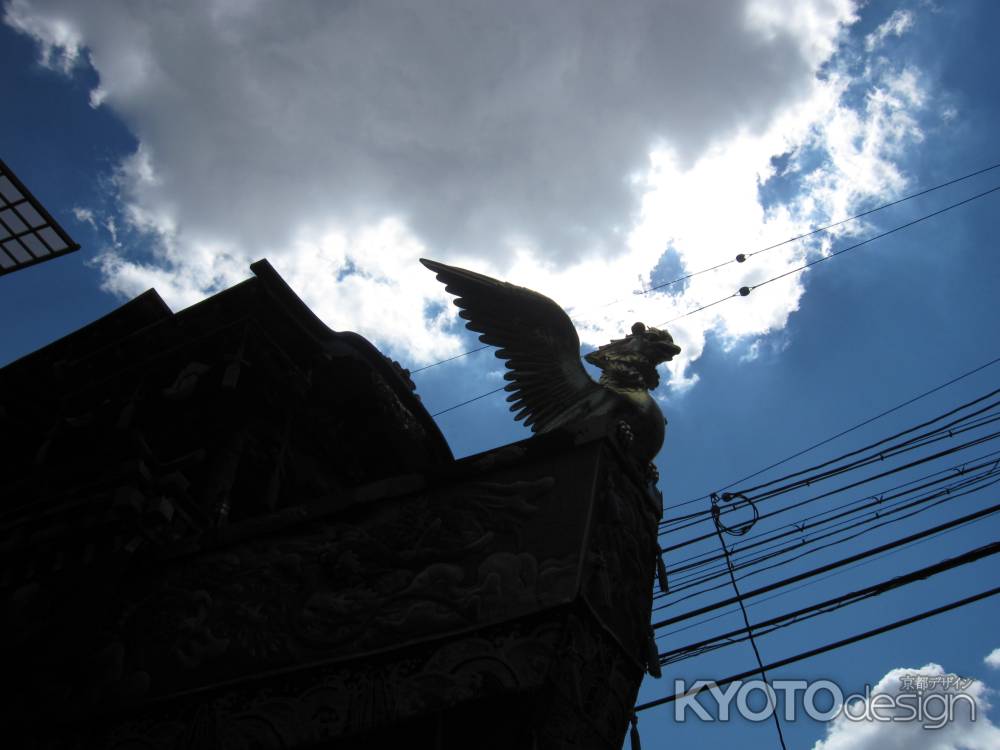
562 147
752 352
993 658
958 733
59 39
97 96
897 24
84 216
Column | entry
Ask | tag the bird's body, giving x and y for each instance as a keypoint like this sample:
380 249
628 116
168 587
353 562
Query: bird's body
639 411
549 387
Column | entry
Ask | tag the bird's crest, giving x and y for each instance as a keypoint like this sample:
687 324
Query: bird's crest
631 362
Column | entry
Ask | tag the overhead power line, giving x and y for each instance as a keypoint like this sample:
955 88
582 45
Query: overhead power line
833 646
840 434
449 359
844 488
765 627
948 430
745 291
876 454
474 398
940 498
890 514
719 529
742 257
850 486
698 623
829 566
844 510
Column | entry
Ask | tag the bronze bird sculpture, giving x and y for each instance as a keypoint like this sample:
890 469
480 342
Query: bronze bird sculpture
549 387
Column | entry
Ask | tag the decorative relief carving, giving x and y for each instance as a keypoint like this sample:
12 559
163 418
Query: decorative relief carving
618 582
407 569
316 706
595 685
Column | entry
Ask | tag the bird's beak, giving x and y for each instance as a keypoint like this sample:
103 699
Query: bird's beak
665 351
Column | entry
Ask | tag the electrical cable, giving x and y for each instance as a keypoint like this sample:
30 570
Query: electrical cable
852 485
844 488
941 497
829 566
922 504
740 531
881 454
825 607
918 441
833 574
954 491
475 398
830 439
833 646
744 291
745 256
846 509
449 359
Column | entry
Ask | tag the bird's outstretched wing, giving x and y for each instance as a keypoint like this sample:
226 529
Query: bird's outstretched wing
536 338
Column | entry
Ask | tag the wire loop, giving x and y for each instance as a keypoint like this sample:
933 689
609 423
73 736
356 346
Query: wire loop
738 529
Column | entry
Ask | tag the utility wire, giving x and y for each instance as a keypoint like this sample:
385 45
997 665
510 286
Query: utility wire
744 291
940 497
745 256
829 566
852 485
839 571
930 436
765 627
876 237
881 454
457 356
830 439
832 646
810 233
784 509
923 503
474 398
746 620
952 492
802 525
877 501
950 434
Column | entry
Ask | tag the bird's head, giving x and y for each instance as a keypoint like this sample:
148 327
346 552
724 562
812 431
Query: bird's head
636 356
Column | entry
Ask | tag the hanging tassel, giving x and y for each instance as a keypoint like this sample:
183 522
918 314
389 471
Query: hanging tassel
661 571
653 657
634 733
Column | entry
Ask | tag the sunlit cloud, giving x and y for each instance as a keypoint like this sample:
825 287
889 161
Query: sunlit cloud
957 731
564 151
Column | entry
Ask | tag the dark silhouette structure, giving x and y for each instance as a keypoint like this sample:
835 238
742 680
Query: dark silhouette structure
232 527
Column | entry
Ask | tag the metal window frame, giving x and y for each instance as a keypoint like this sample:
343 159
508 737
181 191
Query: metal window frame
28 198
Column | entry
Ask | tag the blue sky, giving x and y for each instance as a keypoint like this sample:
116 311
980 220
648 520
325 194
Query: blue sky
609 153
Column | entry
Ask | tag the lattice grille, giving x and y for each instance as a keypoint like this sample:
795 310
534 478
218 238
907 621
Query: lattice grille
28 233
